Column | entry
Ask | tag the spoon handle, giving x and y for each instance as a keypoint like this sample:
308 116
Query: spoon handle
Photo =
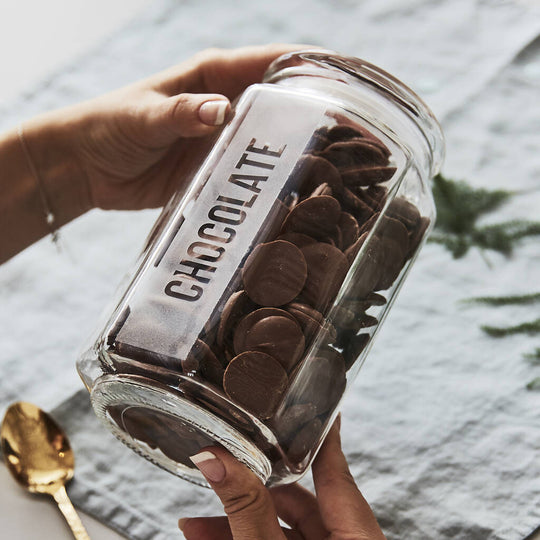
77 528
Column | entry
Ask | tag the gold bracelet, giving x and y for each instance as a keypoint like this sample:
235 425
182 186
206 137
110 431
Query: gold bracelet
50 218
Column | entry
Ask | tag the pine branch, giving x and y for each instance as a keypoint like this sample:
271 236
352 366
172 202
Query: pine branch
459 205
533 357
532 327
534 384
524 299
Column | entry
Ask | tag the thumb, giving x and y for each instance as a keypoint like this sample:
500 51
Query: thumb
185 115
246 501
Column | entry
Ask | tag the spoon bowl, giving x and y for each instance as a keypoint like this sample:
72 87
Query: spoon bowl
38 455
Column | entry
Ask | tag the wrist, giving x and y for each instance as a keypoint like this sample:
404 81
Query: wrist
39 179
49 139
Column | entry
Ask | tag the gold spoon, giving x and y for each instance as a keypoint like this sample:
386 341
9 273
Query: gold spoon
40 458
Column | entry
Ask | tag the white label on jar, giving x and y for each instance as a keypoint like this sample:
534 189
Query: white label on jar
175 298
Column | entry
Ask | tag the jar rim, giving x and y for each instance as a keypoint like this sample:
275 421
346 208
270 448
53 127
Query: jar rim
352 71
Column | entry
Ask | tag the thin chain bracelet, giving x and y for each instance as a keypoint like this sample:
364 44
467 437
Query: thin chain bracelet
50 218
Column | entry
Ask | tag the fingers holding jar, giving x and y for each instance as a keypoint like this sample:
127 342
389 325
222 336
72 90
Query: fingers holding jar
338 511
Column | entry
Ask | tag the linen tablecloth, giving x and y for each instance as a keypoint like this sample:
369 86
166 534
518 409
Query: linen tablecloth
440 431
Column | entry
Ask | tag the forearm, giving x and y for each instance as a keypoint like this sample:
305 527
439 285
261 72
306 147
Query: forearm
23 210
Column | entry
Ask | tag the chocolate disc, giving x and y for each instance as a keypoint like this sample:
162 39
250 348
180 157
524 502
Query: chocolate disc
392 228
319 140
356 206
394 247
353 153
344 318
361 132
292 419
315 171
364 304
315 216
365 321
274 273
352 251
416 236
327 268
375 197
342 132
235 307
327 376
256 381
323 189
393 256
354 344
298 239
308 310
280 337
349 229
246 323
305 441
367 270
366 176
368 225
406 212
211 367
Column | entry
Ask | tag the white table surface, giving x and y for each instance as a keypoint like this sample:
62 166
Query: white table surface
22 514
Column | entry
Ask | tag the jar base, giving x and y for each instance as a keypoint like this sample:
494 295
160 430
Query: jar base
165 428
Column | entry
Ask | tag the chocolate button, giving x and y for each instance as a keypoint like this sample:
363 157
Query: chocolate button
305 440
256 381
358 208
352 251
354 152
394 247
353 347
327 268
406 212
366 176
280 337
247 323
315 217
293 418
323 189
211 367
327 376
342 132
417 235
349 229
367 271
368 225
298 239
236 306
316 170
274 273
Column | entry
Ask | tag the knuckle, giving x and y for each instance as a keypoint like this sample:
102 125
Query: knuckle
252 500
210 54
340 477
179 108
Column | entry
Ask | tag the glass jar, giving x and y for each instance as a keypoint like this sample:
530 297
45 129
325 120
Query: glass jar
261 288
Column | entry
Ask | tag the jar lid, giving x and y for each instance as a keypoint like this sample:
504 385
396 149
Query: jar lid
351 71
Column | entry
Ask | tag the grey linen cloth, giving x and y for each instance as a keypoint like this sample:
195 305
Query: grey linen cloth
440 432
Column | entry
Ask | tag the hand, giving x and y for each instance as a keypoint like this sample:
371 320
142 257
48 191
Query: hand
126 150
339 512
135 146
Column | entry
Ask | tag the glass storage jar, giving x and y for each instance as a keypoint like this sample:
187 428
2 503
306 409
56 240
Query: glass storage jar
261 288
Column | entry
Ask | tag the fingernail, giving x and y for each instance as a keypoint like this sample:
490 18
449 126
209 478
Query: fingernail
211 467
213 113
182 522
